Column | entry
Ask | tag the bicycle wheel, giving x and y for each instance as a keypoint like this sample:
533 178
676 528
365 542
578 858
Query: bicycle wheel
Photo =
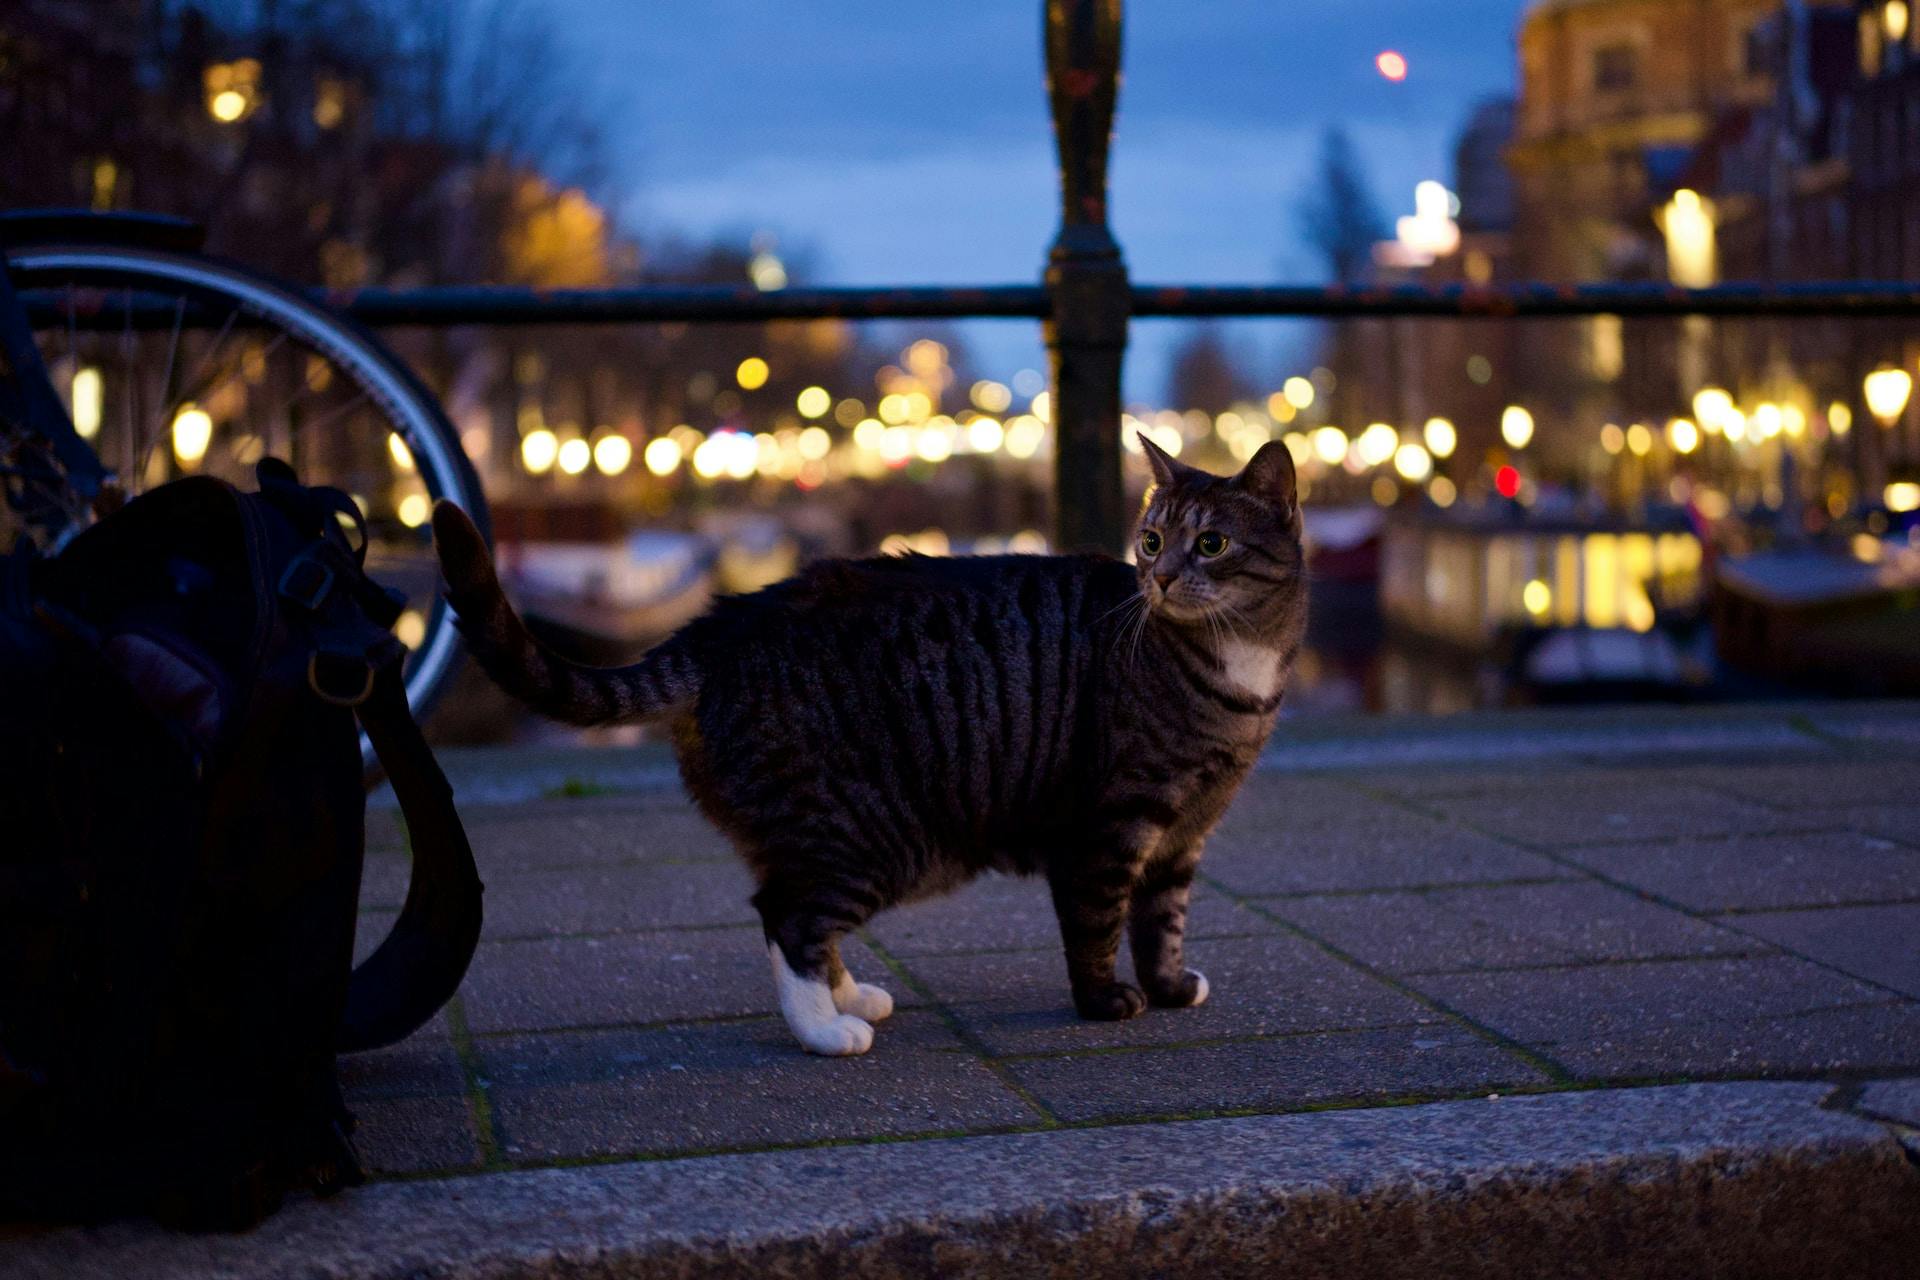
173 364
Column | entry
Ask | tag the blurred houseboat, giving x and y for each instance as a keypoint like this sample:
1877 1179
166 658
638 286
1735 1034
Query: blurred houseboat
1564 609
1845 621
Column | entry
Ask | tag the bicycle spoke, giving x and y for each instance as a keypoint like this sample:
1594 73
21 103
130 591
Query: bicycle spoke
201 363
336 414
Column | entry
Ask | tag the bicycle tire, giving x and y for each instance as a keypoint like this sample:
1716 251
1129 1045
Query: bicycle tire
402 399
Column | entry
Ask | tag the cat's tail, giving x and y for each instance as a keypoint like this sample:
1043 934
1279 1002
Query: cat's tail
666 678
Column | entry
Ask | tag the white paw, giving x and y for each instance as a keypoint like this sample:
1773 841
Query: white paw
1200 989
842 1037
863 1000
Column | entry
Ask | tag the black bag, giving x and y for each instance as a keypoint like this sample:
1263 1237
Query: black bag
182 824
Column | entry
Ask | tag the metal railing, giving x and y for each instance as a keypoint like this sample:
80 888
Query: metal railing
1086 299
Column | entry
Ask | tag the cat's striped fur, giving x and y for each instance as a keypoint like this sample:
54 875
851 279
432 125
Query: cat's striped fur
873 731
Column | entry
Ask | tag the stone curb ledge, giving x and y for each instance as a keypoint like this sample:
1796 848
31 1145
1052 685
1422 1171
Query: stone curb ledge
1746 1179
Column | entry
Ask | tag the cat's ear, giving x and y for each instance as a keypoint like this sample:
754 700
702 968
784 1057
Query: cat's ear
1269 475
1165 469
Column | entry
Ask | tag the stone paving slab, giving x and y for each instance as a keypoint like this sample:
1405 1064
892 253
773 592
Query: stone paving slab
1273 984
1271 1074
1897 822
1322 835
1896 1100
1606 806
616 899
1002 913
662 976
1878 943
1751 1180
1505 926
737 1084
1760 873
1762 1016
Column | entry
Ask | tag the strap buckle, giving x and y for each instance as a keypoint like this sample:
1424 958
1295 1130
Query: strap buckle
307 581
332 677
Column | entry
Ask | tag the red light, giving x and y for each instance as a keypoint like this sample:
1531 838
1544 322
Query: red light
1392 65
1507 481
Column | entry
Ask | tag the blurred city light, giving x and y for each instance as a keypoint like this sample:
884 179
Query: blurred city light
1683 435
232 89
1887 390
1687 221
1441 437
1392 65
813 443
662 455
402 456
414 509
813 402
991 397
1024 435
1298 392
538 450
1413 462
411 628
984 435
575 456
612 454
1377 443
767 272
1516 426
1330 444
192 433
1903 496
87 397
1430 232
752 373
1537 597
1710 408
1506 482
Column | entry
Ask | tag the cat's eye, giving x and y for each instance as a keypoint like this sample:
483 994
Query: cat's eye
1210 544
1150 542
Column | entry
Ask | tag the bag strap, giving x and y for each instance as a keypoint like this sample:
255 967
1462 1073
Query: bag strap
420 965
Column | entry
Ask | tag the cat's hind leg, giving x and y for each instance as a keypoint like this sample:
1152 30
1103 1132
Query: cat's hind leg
861 999
802 925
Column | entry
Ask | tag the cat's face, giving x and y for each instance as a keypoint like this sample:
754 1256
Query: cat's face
1224 549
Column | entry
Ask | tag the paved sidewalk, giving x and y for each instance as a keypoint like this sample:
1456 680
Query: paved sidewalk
1392 914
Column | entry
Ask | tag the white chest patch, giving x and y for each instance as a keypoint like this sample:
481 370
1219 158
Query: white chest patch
1253 668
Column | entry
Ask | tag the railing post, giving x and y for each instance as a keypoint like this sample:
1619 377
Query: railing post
1086 278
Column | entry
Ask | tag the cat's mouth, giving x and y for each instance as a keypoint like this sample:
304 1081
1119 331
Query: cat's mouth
1180 608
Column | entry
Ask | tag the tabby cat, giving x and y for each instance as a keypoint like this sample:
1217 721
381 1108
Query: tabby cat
873 731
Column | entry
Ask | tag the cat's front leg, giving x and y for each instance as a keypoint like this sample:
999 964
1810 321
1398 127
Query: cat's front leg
1158 929
1091 891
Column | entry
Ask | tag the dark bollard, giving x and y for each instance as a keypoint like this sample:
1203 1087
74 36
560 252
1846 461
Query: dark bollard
1086 279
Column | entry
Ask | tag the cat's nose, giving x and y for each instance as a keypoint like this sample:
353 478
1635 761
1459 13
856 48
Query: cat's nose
1165 579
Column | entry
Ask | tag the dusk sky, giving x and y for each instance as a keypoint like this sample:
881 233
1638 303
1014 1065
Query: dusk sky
910 143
